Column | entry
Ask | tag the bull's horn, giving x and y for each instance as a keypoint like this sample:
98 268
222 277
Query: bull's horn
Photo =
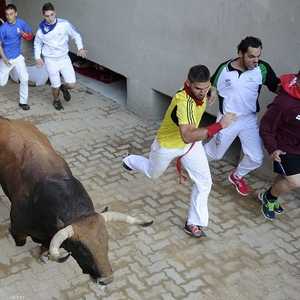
115 216
57 240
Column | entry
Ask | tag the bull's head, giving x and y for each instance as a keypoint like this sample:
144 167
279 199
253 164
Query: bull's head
87 241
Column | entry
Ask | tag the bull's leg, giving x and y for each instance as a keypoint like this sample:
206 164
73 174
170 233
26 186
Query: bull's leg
16 229
19 238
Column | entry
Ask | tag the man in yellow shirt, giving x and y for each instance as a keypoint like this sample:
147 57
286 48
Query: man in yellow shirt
179 136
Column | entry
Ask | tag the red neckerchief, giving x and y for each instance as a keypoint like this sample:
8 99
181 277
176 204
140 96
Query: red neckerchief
198 102
288 83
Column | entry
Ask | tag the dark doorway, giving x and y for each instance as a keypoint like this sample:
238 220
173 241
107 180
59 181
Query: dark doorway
2 9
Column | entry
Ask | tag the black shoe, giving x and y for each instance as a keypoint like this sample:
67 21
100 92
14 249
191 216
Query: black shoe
24 106
66 93
126 167
57 105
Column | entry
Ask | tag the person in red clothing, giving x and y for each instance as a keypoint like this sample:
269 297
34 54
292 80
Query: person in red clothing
280 131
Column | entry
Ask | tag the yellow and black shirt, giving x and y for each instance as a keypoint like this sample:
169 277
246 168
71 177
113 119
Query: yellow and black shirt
182 111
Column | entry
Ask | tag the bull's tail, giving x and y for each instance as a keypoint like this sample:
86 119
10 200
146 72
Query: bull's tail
115 216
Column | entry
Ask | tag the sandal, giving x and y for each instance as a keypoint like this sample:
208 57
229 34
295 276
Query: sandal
57 105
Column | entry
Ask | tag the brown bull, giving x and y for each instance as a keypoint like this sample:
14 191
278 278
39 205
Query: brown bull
49 204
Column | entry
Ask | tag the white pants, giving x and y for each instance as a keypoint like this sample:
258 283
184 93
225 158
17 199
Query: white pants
60 65
19 65
246 128
37 75
195 162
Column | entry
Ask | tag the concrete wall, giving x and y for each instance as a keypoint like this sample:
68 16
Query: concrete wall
153 43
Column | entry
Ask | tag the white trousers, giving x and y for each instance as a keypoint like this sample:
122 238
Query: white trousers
60 65
246 128
196 164
19 65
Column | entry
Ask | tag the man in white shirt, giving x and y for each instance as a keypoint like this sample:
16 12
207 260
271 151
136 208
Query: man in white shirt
239 82
51 42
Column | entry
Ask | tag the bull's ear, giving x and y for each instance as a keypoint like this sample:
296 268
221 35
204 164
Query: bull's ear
59 223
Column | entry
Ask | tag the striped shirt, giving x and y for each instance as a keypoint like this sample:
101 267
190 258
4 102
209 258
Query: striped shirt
182 111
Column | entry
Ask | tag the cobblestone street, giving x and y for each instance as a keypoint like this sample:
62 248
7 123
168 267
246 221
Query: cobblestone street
244 256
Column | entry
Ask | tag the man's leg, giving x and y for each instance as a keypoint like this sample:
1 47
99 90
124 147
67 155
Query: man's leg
159 159
251 147
68 73
253 154
269 199
284 184
54 77
219 144
21 70
4 72
196 164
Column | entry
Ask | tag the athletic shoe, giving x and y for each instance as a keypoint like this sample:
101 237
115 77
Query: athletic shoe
126 167
24 106
65 92
194 230
240 184
277 207
267 209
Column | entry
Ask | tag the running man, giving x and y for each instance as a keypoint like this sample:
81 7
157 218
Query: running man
238 83
51 42
180 137
11 33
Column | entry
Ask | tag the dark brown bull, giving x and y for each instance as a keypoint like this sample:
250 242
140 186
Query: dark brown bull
49 204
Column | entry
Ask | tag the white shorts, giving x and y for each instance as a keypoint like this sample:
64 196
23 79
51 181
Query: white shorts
61 65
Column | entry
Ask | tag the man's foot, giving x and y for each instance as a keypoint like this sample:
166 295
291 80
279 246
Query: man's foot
194 230
126 167
267 210
278 209
240 184
24 106
65 92
57 105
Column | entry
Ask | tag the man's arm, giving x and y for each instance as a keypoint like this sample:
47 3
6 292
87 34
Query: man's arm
78 40
268 128
190 133
26 32
38 44
270 78
3 56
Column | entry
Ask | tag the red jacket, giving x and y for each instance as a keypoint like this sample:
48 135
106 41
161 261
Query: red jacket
280 126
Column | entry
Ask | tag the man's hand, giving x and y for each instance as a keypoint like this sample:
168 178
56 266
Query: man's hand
39 62
212 96
82 53
6 61
27 36
276 155
227 119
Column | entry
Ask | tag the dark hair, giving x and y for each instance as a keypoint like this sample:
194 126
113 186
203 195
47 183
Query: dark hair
11 6
198 73
298 75
249 41
47 6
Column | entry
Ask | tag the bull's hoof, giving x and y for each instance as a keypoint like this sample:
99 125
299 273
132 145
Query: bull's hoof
104 280
20 243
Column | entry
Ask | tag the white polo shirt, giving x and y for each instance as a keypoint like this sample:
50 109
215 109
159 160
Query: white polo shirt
239 91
